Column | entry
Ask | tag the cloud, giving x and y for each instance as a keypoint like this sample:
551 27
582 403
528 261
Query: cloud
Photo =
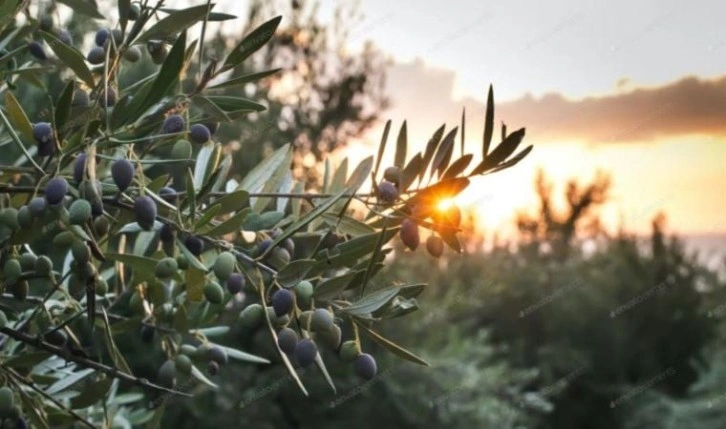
688 106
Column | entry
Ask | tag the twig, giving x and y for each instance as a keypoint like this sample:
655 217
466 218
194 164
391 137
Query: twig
32 385
87 363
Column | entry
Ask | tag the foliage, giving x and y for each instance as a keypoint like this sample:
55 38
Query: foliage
121 230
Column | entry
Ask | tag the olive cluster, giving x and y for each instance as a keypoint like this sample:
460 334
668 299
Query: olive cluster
388 193
10 411
184 362
299 336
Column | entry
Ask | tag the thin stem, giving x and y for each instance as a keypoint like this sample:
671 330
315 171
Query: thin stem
87 363
58 404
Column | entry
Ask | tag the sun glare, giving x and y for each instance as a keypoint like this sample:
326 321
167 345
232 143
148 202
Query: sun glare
446 204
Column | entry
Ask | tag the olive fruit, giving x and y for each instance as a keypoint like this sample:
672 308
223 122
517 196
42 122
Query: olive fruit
43 266
134 11
65 37
56 337
278 257
331 338
321 320
287 340
100 287
43 133
12 271
214 293
173 124
167 374
96 55
212 368
165 268
132 54
7 401
303 292
365 366
168 194
101 226
20 290
217 354
435 246
199 133
27 261
147 333
183 364
122 172
102 36
136 303
182 149
25 217
157 50
252 316
182 262
188 350
36 50
235 283
79 167
224 265
393 175
80 251
37 206
305 352
166 233
282 302
263 246
55 190
9 218
349 351
145 211
387 192
107 98
194 244
409 234
46 23
79 212
117 35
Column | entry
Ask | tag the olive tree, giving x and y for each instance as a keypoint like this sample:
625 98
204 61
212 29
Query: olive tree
119 218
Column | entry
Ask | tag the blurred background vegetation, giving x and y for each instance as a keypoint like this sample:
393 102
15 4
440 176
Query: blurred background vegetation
565 326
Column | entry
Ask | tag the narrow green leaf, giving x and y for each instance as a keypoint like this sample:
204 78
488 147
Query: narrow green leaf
401 146
294 272
84 7
251 77
501 152
255 180
309 217
348 225
235 104
463 129
513 160
458 166
273 183
370 303
18 117
371 266
390 345
199 375
243 356
208 215
234 201
71 58
68 381
488 124
443 154
233 224
412 170
210 108
330 288
382 148
63 105
174 23
360 175
431 147
251 43
213 16
92 393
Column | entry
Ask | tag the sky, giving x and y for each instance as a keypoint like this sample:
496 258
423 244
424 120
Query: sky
636 89
633 88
